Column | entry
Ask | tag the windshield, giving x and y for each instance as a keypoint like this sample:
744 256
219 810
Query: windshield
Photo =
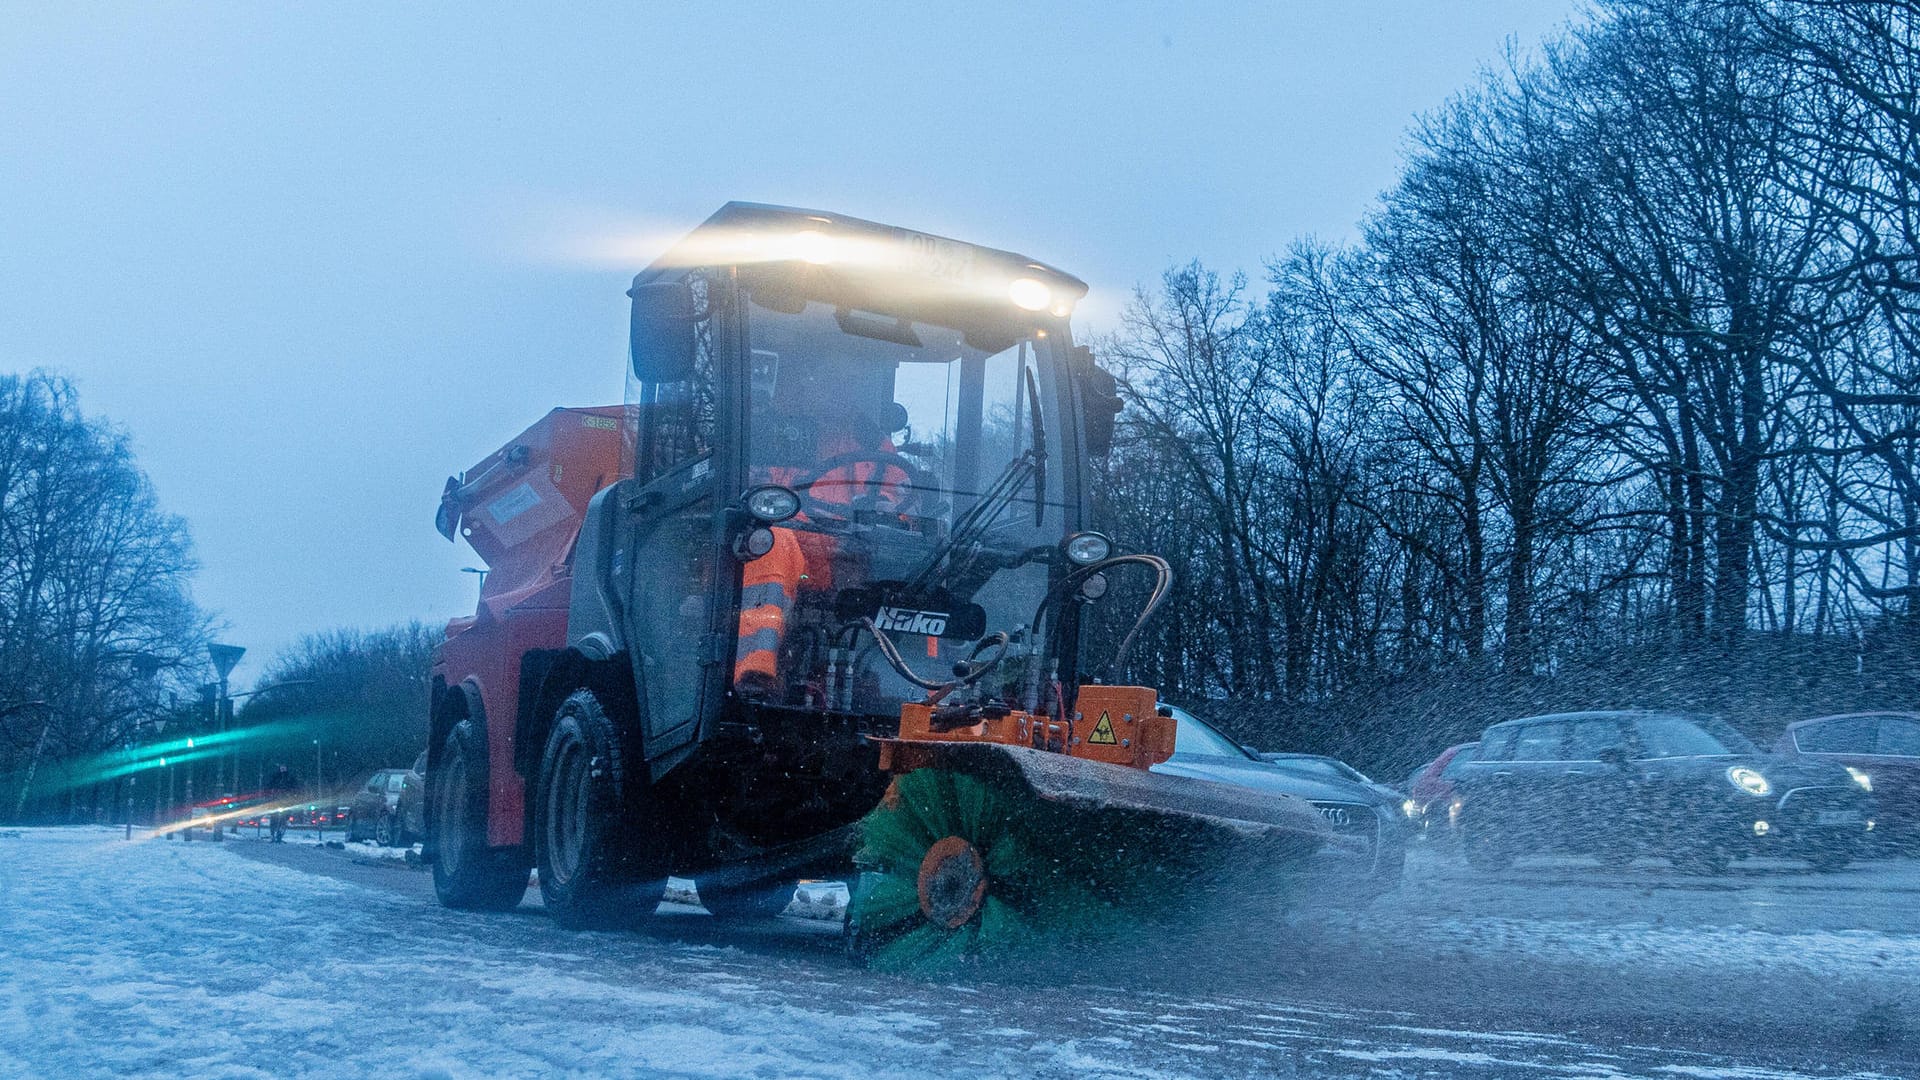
933 492
1679 736
1312 766
1195 737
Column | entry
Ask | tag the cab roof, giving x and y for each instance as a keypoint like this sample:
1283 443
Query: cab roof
739 219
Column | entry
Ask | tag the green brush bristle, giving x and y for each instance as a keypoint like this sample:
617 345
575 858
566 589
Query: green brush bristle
1053 873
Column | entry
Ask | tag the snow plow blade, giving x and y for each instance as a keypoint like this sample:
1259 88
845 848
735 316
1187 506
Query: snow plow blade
1094 786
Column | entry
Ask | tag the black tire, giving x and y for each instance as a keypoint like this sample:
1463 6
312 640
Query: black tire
753 903
1704 860
466 873
1833 855
383 831
590 827
1483 851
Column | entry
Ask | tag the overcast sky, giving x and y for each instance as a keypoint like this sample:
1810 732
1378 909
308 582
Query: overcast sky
315 258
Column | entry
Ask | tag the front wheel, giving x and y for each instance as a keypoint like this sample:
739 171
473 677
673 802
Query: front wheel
1704 860
1485 851
466 873
590 831
383 831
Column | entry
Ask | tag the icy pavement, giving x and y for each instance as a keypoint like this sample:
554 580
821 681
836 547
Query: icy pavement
159 959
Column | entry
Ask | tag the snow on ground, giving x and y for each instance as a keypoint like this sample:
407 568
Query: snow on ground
158 959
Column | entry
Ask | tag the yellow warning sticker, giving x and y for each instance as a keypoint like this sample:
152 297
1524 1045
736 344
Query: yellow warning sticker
1103 731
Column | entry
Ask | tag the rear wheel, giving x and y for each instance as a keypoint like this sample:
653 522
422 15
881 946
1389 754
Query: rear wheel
590 826
466 873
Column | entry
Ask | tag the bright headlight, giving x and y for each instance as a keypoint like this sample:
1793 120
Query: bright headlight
1748 780
772 503
812 246
1029 294
1087 548
1409 807
1861 777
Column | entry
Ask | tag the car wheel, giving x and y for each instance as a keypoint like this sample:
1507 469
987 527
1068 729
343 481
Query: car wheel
1484 851
753 903
589 826
1614 858
383 831
467 873
1704 861
1833 855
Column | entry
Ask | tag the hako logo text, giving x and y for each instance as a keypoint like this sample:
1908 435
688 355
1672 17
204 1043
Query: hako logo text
908 621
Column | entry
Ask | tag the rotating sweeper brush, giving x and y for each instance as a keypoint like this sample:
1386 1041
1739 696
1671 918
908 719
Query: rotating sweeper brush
986 847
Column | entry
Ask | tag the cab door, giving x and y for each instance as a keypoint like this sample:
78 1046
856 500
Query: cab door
665 571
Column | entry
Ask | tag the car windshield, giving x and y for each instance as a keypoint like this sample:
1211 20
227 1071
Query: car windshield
1461 757
1195 737
1314 766
1679 736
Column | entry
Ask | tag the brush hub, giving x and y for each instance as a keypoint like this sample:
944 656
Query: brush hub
953 882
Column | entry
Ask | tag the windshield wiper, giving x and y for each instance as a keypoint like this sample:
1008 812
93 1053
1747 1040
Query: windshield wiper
1029 467
977 520
1038 450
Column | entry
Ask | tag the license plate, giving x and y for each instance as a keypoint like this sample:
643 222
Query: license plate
1837 817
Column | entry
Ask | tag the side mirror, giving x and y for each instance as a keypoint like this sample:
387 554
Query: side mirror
1100 401
661 338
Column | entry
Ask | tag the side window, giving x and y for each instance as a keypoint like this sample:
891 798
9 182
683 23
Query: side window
1497 746
676 418
376 782
1540 742
1588 739
397 783
1899 736
1850 736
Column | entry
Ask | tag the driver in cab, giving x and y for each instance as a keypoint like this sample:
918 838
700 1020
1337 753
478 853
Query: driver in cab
817 430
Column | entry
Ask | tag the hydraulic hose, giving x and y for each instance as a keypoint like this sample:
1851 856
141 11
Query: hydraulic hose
976 669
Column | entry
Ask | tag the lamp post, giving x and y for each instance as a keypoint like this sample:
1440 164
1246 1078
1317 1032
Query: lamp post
320 825
224 658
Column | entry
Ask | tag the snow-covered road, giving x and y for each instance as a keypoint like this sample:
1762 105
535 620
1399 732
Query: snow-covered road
148 958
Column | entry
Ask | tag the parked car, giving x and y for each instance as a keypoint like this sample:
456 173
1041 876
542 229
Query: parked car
1370 859
1617 785
412 806
375 813
1333 768
204 823
1430 802
1881 750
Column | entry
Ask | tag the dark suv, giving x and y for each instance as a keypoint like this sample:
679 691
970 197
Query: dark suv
1617 785
1881 751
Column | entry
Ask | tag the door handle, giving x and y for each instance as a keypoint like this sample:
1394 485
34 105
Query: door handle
1503 774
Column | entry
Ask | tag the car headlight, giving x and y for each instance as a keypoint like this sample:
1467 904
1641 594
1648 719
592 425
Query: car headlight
1409 807
1861 777
1749 780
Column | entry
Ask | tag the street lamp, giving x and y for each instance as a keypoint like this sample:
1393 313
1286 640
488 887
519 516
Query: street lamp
224 658
319 822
